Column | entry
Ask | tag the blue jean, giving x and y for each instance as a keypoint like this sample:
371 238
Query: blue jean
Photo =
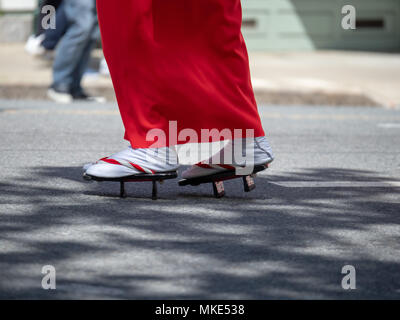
73 51
39 15
53 36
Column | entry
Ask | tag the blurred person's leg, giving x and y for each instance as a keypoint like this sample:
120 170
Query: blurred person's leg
53 36
34 46
73 51
39 15
76 88
37 19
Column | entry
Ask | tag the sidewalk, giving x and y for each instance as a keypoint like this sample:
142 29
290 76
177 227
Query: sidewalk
375 76
312 78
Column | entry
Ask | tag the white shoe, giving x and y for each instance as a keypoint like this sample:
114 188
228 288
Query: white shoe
84 97
59 97
258 152
34 45
131 162
103 68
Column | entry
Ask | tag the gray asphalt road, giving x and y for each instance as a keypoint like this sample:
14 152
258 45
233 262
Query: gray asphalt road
331 199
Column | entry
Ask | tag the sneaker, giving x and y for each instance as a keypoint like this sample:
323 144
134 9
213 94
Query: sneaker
130 162
220 162
84 97
34 45
59 96
103 68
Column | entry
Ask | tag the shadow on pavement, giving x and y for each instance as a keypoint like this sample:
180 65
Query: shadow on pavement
275 243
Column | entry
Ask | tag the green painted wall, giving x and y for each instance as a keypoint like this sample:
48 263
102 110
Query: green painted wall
316 24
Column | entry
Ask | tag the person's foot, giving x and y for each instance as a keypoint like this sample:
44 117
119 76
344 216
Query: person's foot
34 45
225 160
84 97
131 162
59 95
103 68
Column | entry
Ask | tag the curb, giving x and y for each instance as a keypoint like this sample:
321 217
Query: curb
34 92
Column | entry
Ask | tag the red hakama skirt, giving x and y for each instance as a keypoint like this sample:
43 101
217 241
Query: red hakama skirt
178 60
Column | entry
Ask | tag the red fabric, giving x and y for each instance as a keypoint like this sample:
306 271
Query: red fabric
139 168
136 166
111 161
178 60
